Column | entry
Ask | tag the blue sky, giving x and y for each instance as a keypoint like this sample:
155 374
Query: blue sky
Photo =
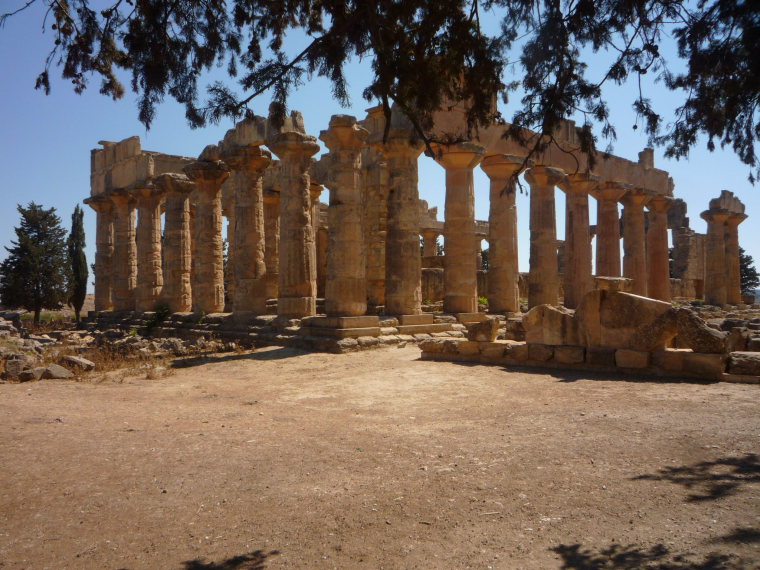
45 141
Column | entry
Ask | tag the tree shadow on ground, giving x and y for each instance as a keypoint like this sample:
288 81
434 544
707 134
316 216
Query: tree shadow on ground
279 353
250 561
711 479
630 557
742 535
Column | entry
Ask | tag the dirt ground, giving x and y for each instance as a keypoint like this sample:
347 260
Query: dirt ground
285 459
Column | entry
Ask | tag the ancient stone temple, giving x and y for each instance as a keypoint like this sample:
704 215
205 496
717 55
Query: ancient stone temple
368 263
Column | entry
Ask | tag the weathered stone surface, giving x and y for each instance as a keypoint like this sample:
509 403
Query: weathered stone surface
670 360
545 324
569 354
737 339
31 374
634 239
56 372
753 344
600 356
484 331
625 358
744 363
517 351
697 335
78 362
493 350
608 228
577 278
540 352
469 348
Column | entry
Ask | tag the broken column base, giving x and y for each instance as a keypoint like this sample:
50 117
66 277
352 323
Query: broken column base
669 363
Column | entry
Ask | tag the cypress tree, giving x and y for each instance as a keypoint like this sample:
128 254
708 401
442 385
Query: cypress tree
78 262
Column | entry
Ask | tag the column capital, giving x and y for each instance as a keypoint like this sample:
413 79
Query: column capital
579 183
610 190
315 190
248 158
715 216
121 196
659 203
146 193
735 219
458 156
174 183
101 203
344 133
400 144
271 196
501 166
293 145
636 197
544 176
214 171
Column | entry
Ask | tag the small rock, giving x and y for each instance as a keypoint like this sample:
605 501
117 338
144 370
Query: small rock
79 362
56 372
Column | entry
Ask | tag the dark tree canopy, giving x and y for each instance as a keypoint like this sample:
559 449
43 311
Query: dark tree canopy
750 280
77 262
34 275
425 52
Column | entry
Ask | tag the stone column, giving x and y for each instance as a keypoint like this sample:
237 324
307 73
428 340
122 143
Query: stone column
298 275
208 173
272 233
403 264
375 224
716 277
228 211
607 196
734 282
104 244
577 278
634 240
125 252
658 259
315 190
250 293
543 279
503 271
460 276
346 285
150 279
177 293
429 243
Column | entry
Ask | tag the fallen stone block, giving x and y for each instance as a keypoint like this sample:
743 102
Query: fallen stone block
695 333
78 362
550 325
31 374
704 365
625 358
737 339
57 372
747 363
483 331
432 345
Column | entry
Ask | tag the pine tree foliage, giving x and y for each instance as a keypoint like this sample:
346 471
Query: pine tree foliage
77 262
750 280
424 53
34 275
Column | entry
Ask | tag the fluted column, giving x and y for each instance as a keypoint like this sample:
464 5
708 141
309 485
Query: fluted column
150 279
315 191
298 276
376 225
228 211
577 278
460 276
272 233
733 271
658 260
607 195
634 240
125 252
716 276
503 270
103 269
430 243
177 292
346 285
403 265
208 173
249 269
543 280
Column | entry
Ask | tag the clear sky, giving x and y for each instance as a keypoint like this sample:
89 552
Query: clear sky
45 141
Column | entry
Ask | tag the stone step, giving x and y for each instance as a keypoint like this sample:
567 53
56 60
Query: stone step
417 329
416 319
339 333
471 317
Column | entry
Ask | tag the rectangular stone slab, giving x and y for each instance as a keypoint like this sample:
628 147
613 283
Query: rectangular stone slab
471 317
339 333
416 319
342 322
417 329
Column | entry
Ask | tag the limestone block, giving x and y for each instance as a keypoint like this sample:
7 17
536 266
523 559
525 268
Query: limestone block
695 333
465 318
600 356
469 348
432 345
32 374
424 319
56 372
451 346
545 324
704 365
569 354
78 362
670 360
516 351
744 363
485 331
625 358
540 352
737 339
493 350
753 344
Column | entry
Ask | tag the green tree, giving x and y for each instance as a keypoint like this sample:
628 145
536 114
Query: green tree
34 275
750 280
77 262
423 53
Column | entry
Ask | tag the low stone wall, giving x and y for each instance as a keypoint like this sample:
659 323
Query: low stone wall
671 363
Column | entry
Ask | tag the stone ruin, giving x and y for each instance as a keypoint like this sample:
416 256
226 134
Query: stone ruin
353 273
